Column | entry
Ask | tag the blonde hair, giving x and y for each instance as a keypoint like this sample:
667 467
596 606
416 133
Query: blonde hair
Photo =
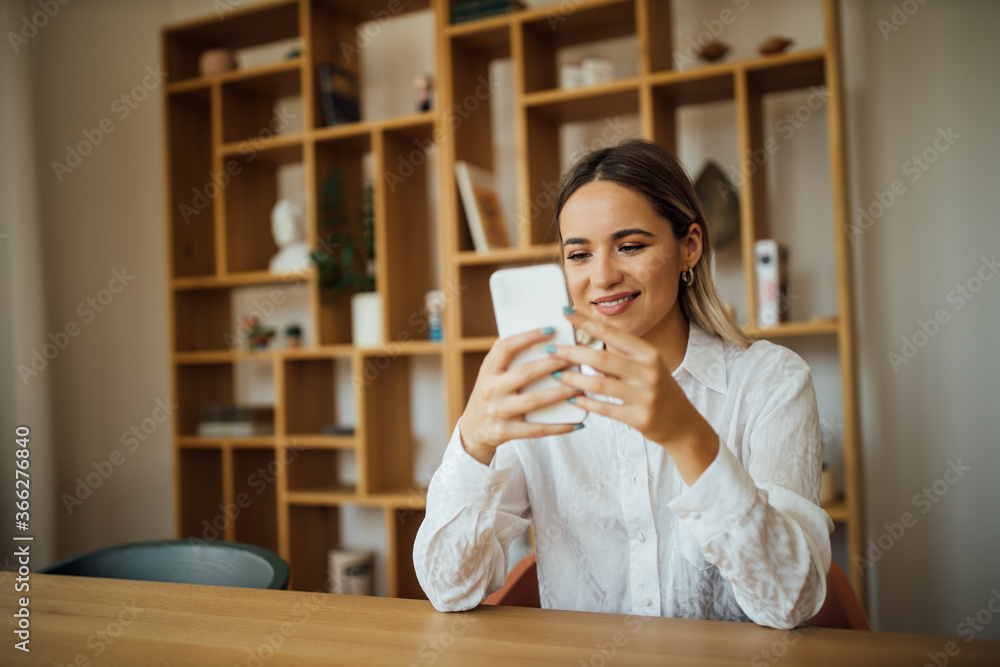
655 175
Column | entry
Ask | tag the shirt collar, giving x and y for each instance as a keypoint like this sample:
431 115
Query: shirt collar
705 359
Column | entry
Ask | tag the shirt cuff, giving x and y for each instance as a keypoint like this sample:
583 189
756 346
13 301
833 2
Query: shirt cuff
467 480
723 494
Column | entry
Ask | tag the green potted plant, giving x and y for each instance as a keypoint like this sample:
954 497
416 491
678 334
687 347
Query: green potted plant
345 257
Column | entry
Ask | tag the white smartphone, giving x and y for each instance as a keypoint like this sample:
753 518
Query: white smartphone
533 297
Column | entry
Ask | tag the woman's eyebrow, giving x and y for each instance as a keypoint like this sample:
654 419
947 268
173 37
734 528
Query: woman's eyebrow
629 232
577 240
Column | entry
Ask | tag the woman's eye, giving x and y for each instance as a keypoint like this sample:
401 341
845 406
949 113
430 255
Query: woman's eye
631 248
578 255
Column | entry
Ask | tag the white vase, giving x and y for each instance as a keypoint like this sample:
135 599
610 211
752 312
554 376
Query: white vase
366 319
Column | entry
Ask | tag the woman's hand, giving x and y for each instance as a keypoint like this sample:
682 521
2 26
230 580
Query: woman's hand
652 401
495 411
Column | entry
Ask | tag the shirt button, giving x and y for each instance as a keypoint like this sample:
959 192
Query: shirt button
647 602
695 515
493 488
642 537
633 479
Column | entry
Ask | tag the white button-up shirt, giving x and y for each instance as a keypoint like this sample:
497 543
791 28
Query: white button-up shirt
616 528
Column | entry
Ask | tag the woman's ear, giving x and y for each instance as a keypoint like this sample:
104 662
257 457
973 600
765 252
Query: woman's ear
691 246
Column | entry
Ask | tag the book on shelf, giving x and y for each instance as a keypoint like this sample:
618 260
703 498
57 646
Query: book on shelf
771 269
482 207
231 420
338 94
472 10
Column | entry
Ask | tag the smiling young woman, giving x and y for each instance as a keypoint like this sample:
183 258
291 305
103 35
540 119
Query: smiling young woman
693 491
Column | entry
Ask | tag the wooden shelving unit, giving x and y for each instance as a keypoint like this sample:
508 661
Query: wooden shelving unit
225 245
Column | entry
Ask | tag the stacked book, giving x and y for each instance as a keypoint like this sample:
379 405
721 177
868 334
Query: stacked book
231 420
471 10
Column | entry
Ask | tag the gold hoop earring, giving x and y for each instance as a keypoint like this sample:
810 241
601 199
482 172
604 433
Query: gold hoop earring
688 276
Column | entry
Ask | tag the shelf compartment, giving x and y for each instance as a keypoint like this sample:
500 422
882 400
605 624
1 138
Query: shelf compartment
545 32
547 252
241 279
794 71
387 464
826 327
237 29
201 386
401 528
838 510
249 199
346 156
250 105
255 484
192 214
199 492
316 470
313 388
201 320
313 531
404 230
471 361
617 98
242 442
322 442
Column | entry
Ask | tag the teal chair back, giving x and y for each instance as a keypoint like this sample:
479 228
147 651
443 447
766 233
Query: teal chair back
211 563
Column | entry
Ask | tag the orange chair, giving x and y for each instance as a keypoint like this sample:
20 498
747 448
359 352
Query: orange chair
520 589
841 609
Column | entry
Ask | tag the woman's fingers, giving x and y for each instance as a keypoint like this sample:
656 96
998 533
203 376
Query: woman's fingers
504 350
613 338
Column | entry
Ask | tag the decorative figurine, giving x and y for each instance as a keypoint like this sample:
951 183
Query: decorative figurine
258 336
774 45
713 51
289 232
293 332
216 61
423 85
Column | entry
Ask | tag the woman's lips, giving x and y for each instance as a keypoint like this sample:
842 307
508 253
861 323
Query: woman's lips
615 304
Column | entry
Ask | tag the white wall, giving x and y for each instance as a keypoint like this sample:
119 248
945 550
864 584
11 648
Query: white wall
936 72
939 407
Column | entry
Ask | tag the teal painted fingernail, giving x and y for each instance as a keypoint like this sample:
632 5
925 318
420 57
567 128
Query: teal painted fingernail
548 330
557 374
578 427
571 399
550 349
568 310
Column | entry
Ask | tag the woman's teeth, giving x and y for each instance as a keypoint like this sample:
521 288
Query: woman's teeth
617 301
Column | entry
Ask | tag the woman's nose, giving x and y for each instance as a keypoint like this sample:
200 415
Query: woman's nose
607 272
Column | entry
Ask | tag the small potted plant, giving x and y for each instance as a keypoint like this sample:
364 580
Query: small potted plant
345 258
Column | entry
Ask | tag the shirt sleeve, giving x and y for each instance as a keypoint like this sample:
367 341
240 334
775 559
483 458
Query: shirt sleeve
474 511
760 521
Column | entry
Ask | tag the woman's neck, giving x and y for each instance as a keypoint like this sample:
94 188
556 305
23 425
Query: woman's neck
670 336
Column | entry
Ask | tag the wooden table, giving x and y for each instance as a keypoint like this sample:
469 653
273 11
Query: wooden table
83 621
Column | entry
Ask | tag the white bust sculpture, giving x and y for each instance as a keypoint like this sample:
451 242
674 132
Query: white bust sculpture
288 228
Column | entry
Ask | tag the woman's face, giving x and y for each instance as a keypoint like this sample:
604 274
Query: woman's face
621 260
